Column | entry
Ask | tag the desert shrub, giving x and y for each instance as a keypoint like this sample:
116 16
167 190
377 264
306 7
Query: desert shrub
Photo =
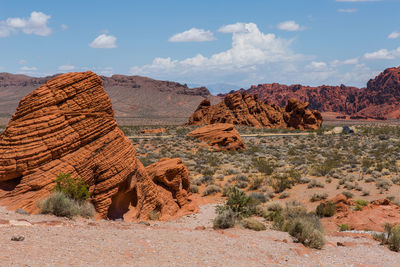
208 171
318 197
194 188
365 193
154 215
284 195
348 194
390 238
263 166
344 227
281 182
241 184
62 206
75 189
211 189
206 179
225 219
261 197
315 183
239 203
326 209
253 224
302 226
256 183
306 231
361 202
384 184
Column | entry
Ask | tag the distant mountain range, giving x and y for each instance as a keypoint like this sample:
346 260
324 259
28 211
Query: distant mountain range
146 100
381 97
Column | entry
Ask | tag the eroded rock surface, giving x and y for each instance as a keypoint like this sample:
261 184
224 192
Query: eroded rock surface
244 109
67 125
221 136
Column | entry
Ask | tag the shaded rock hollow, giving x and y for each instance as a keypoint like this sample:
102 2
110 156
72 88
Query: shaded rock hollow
67 125
244 109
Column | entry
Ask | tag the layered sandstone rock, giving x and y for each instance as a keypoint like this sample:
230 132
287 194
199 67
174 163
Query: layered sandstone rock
67 125
221 136
244 109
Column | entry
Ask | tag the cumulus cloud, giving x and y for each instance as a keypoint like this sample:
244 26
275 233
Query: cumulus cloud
233 28
104 41
26 68
315 65
290 25
35 24
351 61
67 67
193 35
383 54
347 10
394 35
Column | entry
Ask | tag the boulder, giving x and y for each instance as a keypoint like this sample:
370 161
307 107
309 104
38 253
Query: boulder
67 125
221 136
244 109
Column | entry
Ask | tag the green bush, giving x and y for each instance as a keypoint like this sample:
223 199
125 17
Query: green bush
326 209
263 166
240 203
344 227
62 206
318 196
306 231
348 194
75 189
225 219
390 238
253 224
194 188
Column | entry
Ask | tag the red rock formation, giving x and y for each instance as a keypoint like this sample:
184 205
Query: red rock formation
380 99
244 109
371 217
67 125
221 136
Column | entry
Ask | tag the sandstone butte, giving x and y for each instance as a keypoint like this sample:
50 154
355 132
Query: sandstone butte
67 125
380 99
245 109
220 136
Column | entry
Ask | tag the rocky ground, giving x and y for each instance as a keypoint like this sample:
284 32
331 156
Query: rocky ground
50 241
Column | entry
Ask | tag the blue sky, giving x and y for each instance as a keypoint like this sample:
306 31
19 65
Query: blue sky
311 42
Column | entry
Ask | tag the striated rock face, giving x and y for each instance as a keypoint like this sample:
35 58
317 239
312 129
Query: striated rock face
172 178
244 109
221 136
67 125
381 97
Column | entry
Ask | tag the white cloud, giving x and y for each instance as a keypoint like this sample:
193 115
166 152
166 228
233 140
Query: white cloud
35 24
351 61
192 35
394 35
383 54
290 25
252 53
347 10
67 67
26 68
233 28
104 41
317 66
64 27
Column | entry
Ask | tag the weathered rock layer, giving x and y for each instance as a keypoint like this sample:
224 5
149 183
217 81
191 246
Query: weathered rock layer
221 136
244 109
67 125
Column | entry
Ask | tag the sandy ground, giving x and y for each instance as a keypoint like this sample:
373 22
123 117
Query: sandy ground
52 241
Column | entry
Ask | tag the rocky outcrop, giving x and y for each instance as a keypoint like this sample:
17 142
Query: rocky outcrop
220 136
381 97
371 217
67 125
245 109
